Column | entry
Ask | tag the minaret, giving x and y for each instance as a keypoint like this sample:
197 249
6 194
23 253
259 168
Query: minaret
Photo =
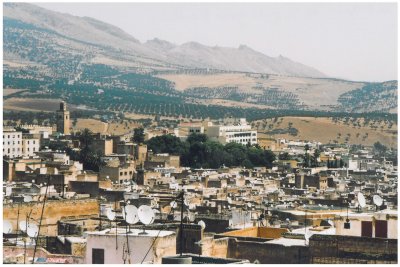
63 119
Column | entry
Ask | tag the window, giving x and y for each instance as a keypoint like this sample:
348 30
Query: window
126 173
97 256
121 173
366 229
381 228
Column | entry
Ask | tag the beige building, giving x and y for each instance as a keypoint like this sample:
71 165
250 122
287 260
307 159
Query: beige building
165 158
30 145
118 173
103 146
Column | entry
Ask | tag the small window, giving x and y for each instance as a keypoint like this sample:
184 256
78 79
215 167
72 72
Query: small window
121 173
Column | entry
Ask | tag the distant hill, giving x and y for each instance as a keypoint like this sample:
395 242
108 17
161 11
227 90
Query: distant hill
194 55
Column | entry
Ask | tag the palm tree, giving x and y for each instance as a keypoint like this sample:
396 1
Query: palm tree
86 138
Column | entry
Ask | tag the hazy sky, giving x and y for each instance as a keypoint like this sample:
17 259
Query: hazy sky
356 41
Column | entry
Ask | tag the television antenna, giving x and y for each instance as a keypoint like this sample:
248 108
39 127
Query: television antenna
7 227
32 230
28 199
202 224
146 216
173 204
130 214
23 225
361 200
378 201
110 214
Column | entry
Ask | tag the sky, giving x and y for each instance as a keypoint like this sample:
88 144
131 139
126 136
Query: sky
356 41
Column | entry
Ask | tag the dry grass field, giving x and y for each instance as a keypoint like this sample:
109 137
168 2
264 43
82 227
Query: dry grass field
326 130
312 92
34 104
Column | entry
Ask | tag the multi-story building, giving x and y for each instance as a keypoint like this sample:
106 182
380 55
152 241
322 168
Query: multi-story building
30 145
239 132
117 172
12 144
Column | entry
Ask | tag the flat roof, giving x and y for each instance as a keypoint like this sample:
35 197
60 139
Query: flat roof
133 232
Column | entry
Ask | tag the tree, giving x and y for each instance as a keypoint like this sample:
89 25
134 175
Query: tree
284 156
86 138
138 135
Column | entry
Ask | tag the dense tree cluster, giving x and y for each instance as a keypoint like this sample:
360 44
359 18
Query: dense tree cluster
198 151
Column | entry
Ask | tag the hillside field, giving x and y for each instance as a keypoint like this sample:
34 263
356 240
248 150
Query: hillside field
328 130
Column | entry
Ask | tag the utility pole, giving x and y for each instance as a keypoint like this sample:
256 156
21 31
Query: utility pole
181 226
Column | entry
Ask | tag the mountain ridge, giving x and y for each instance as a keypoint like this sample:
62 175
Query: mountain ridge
190 54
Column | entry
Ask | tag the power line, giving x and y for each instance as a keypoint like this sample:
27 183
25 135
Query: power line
158 234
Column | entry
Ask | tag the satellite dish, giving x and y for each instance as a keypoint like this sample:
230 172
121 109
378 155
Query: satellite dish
22 225
32 230
229 200
307 236
110 214
130 214
146 214
28 199
202 224
249 205
156 211
331 222
378 200
174 204
7 227
186 201
361 200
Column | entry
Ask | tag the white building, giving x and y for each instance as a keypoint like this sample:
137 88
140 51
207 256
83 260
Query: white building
239 132
109 247
12 144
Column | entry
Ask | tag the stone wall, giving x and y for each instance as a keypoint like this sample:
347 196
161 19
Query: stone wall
54 211
352 249
266 253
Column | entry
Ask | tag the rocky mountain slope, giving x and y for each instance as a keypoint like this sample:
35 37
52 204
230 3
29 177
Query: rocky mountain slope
194 55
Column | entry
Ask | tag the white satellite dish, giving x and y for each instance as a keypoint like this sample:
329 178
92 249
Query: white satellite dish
7 227
174 204
378 200
229 200
307 236
8 191
32 230
202 224
22 225
249 205
146 214
130 214
186 202
361 200
28 199
156 211
110 214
